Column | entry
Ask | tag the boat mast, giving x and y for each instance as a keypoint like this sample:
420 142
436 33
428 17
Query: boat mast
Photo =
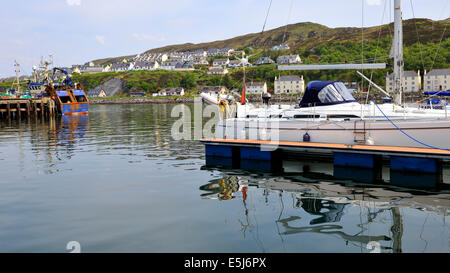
398 53
17 70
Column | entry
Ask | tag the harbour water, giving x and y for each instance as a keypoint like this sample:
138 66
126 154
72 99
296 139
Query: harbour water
116 181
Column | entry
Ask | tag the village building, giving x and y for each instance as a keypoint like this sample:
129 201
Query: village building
264 60
289 85
280 47
437 80
353 86
106 68
212 89
411 81
211 52
221 62
200 60
226 51
96 93
238 53
169 65
234 64
256 88
186 66
119 67
143 65
289 59
178 91
217 71
137 94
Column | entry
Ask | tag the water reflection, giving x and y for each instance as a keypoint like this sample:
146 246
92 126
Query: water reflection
359 214
94 178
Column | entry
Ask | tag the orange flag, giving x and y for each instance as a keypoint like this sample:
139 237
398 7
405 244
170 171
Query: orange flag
244 88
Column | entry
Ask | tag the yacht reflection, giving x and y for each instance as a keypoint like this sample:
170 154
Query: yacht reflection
326 203
223 188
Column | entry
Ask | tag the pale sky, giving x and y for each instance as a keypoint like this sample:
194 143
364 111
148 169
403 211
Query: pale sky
77 31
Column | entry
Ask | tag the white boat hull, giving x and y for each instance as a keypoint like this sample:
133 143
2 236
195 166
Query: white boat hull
433 132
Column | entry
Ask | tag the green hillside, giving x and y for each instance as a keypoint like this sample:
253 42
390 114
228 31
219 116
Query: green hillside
313 42
308 36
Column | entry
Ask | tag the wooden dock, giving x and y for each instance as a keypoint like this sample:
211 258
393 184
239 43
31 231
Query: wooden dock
18 109
333 147
267 156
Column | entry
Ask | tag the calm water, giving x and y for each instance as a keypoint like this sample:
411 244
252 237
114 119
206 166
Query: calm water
116 181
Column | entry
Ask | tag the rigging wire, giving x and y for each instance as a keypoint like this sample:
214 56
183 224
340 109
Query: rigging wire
442 36
417 33
287 21
376 49
267 15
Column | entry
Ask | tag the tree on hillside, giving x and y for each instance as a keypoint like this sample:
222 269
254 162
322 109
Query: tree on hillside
189 81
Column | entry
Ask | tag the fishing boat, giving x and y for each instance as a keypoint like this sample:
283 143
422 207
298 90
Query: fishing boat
69 97
328 113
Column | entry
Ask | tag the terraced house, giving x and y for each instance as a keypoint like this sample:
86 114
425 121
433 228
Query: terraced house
411 81
437 80
256 88
142 65
289 85
289 59
221 62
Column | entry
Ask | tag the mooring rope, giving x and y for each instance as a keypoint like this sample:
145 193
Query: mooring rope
416 140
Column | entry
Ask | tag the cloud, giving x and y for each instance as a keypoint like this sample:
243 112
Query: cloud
73 2
373 2
100 39
147 37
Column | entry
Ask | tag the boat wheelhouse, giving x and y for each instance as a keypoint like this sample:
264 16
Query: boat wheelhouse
322 93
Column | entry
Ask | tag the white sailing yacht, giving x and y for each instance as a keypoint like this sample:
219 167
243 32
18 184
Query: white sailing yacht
328 113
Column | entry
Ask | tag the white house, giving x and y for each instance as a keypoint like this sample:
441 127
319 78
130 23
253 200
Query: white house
280 47
226 51
411 81
220 62
256 88
179 91
211 52
437 80
185 66
93 69
238 53
264 60
200 60
234 64
289 85
96 93
217 70
142 65
289 59
120 67
169 65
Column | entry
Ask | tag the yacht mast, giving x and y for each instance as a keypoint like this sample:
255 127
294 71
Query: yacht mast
398 53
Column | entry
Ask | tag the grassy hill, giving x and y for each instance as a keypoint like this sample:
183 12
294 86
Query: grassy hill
308 36
313 42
